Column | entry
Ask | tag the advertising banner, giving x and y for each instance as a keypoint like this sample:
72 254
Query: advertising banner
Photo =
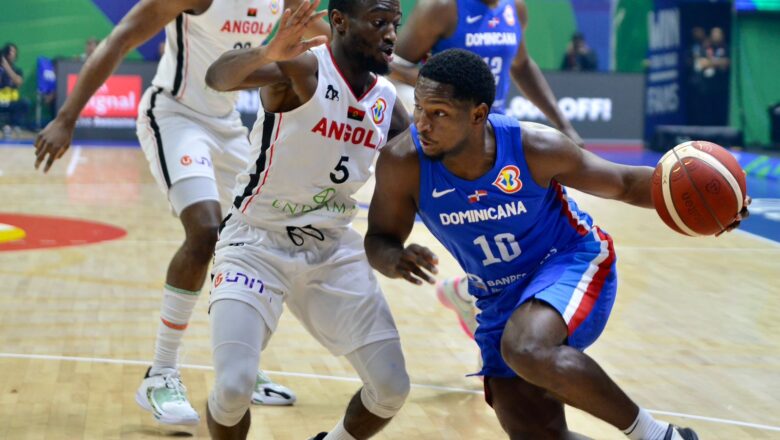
111 111
600 106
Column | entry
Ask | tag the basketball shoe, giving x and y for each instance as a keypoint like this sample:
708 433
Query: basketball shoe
677 433
165 396
453 294
269 393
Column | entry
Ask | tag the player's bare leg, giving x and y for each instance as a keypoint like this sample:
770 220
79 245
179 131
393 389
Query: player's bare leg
533 346
526 411
220 432
162 392
360 422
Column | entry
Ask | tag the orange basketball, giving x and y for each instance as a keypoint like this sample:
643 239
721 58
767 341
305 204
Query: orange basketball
698 188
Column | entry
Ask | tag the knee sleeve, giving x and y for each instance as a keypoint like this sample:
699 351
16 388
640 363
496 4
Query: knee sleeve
382 368
192 190
237 336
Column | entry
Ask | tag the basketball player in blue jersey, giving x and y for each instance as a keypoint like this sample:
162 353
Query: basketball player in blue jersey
492 29
195 143
490 189
326 111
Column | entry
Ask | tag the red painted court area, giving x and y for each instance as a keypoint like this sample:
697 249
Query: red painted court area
40 232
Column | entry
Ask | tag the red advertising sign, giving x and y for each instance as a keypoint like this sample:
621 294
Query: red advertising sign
118 97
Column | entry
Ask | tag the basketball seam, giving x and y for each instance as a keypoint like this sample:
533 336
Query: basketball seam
666 184
717 165
698 192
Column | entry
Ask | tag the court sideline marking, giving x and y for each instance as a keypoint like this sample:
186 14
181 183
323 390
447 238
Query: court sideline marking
355 379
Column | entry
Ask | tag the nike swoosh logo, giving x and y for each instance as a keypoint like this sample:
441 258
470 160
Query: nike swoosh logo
437 194
472 20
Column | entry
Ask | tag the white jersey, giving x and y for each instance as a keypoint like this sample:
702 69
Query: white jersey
194 42
306 164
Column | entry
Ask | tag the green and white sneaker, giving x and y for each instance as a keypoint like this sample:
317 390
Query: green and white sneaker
269 393
165 396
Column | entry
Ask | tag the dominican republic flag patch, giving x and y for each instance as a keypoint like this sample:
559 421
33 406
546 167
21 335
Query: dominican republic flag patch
474 198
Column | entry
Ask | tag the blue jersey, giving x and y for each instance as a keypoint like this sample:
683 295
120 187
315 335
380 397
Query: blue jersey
492 33
502 226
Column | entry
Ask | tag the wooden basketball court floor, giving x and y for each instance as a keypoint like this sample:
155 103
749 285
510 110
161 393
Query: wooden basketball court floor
693 335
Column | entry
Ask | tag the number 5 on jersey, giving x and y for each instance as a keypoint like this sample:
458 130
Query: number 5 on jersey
340 174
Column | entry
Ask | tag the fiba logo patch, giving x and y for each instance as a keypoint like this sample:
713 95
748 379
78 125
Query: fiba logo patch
508 179
378 110
274 7
186 160
218 279
509 15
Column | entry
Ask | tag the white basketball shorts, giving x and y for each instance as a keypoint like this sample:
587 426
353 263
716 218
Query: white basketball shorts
325 281
180 142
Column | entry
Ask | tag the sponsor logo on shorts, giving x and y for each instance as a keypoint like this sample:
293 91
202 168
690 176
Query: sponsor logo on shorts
187 160
254 284
495 285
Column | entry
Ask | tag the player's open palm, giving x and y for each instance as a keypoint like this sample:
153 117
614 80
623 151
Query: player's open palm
52 143
289 42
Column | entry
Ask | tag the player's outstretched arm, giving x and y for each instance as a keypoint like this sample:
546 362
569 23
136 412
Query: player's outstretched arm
261 66
553 156
391 216
529 78
143 21
429 21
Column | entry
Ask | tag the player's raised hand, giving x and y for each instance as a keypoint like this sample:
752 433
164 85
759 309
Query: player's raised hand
289 42
414 258
52 143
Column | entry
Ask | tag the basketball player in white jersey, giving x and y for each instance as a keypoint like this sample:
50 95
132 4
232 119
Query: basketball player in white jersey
195 144
288 237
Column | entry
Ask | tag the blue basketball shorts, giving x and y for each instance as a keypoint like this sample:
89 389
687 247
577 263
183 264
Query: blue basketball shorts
579 282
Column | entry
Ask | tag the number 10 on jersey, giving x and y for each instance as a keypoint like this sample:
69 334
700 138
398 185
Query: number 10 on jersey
507 246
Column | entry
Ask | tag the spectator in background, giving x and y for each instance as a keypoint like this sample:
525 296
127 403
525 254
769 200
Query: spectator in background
709 79
89 47
579 56
718 57
11 79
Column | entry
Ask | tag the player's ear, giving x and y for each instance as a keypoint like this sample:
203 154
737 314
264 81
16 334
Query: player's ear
338 21
480 113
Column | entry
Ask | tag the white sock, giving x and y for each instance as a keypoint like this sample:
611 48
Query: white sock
175 313
645 427
339 432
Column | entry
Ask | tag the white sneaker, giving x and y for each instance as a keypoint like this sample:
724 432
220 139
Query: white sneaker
453 294
269 393
165 396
